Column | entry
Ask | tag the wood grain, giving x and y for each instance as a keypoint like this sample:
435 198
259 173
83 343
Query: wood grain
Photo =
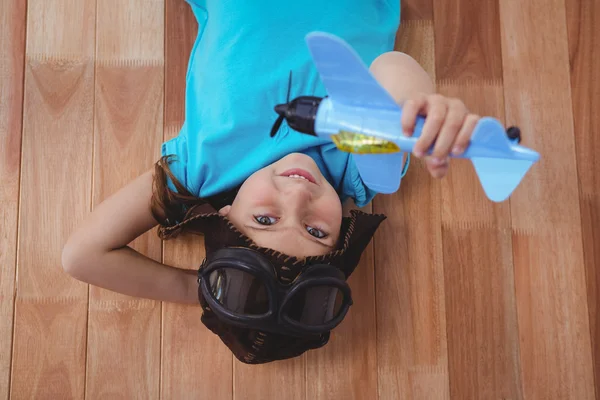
547 239
12 55
274 380
483 346
416 10
48 360
583 24
50 312
123 356
195 364
411 320
467 40
346 367
411 317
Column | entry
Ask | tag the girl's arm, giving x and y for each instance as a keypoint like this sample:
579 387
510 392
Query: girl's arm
402 76
448 124
97 252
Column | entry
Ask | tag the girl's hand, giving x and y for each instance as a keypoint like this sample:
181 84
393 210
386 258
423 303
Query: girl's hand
448 123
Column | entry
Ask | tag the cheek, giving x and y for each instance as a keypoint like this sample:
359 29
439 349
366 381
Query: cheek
331 206
255 190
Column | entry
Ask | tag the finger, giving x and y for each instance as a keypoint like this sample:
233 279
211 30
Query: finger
464 136
439 172
434 162
453 123
410 111
437 168
436 110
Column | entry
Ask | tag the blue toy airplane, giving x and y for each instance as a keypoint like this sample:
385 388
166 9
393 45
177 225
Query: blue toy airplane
362 118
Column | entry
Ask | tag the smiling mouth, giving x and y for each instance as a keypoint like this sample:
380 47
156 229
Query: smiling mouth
298 173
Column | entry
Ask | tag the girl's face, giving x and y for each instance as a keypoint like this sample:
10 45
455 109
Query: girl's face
290 207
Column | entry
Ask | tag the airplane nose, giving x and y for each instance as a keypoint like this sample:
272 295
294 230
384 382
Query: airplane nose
281 109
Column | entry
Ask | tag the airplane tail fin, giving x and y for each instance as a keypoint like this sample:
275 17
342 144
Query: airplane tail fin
500 177
499 166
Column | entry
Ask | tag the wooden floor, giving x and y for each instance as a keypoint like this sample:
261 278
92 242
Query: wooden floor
457 297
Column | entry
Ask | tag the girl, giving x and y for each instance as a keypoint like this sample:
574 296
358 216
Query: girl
278 250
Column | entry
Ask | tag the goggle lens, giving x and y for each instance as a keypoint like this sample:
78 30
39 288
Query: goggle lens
316 305
238 291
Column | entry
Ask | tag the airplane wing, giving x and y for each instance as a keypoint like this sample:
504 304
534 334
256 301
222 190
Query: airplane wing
348 81
345 76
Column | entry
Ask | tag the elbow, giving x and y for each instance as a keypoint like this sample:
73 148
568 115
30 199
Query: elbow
401 75
75 259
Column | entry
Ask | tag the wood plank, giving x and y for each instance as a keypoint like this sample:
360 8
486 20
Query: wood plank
346 367
547 238
416 10
411 316
12 55
274 380
483 343
583 22
123 356
467 40
483 346
189 349
51 307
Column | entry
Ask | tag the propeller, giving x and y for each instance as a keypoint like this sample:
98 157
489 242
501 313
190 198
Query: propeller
281 109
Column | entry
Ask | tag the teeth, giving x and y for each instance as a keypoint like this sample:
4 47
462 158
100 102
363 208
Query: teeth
296 176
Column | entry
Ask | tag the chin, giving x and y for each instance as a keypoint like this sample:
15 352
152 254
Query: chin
298 157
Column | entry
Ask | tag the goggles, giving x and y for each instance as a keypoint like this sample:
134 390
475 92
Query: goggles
241 288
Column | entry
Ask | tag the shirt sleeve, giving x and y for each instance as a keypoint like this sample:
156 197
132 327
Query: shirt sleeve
355 188
197 3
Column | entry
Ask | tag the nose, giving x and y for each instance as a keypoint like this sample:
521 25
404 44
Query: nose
297 193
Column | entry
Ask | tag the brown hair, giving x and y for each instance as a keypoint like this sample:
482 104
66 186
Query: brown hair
170 207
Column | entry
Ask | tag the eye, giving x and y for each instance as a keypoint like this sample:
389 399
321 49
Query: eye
265 219
316 232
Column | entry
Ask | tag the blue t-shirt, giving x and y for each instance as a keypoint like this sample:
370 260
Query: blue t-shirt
238 71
